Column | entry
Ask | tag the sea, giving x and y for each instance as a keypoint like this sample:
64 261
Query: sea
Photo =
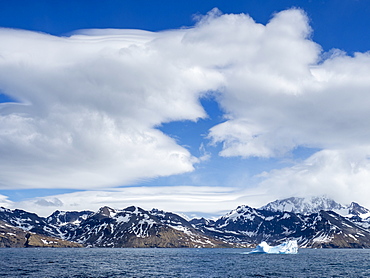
186 262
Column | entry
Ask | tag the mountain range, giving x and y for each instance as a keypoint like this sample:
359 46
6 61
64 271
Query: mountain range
317 222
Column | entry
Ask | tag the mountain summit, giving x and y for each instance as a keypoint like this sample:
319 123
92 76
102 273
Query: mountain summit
304 205
313 222
316 204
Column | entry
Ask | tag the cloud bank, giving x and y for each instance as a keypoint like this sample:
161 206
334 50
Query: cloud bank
90 104
192 201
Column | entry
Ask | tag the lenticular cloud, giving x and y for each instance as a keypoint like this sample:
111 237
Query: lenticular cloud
89 104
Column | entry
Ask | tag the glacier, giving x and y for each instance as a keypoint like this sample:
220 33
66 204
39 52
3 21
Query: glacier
288 247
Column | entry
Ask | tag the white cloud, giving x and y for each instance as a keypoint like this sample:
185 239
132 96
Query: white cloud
54 202
280 94
316 176
188 200
280 97
5 202
285 95
340 174
91 103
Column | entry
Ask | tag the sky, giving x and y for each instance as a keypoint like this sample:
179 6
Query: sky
194 107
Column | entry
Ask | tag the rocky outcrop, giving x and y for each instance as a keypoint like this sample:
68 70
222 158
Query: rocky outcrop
11 236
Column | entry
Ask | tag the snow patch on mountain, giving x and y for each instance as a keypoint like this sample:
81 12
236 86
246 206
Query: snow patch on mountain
304 205
317 224
310 205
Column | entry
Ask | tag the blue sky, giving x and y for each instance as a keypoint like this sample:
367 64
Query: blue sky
339 24
189 106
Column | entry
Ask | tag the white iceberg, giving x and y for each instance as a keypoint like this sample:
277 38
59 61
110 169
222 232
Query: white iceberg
288 247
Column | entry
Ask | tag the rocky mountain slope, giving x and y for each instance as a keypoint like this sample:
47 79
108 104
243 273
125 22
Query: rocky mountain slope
319 222
354 212
135 227
322 229
11 236
130 227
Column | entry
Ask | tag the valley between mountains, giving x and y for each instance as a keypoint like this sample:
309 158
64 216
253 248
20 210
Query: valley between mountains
316 222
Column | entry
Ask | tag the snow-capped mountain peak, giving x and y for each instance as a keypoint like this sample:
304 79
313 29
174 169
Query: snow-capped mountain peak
358 210
305 205
316 204
239 212
317 224
107 211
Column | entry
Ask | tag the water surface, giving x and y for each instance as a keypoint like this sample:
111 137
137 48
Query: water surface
102 262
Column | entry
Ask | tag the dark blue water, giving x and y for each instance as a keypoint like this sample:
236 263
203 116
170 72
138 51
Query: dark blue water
87 262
